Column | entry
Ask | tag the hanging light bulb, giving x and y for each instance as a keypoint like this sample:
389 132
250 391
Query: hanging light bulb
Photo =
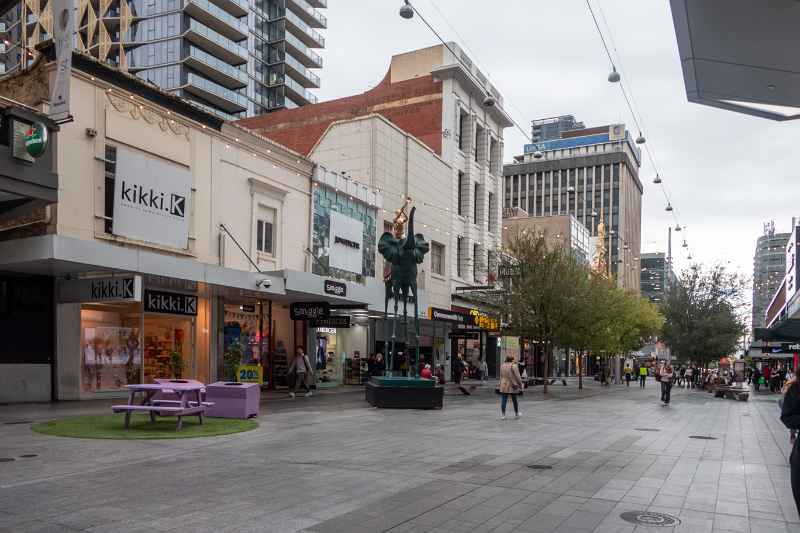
669 207
406 11
684 244
614 77
677 227
690 257
657 180
640 139
538 154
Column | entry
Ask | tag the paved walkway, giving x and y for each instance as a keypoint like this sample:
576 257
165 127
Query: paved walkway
329 463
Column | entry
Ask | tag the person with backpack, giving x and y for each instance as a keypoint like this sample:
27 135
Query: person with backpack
300 369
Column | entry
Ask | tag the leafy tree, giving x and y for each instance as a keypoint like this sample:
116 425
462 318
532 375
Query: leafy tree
701 311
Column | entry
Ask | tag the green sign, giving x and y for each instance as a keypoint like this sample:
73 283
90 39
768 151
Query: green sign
36 139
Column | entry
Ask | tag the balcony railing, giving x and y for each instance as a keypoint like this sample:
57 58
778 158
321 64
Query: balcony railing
308 57
300 91
226 44
308 35
232 27
217 64
305 10
294 64
229 100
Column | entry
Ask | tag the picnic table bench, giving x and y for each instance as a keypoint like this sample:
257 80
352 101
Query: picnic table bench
152 404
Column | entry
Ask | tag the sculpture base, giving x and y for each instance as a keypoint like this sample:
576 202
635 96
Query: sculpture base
404 393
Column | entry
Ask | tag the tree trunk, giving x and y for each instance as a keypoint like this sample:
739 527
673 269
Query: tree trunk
546 365
580 370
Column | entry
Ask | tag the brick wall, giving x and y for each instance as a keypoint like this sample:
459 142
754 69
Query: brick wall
413 105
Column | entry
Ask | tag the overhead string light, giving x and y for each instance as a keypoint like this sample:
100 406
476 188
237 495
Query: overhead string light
627 93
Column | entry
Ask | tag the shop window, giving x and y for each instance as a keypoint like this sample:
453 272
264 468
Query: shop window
111 347
437 258
264 237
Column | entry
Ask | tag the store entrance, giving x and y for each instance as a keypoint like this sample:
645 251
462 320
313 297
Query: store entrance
169 347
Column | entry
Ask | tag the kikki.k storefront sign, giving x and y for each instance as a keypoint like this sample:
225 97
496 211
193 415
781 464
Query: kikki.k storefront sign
172 303
151 199
101 290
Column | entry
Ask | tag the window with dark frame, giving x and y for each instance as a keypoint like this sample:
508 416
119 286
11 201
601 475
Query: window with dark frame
264 233
437 258
110 176
459 256
461 190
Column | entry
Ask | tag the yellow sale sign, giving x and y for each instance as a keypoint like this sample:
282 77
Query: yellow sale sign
249 374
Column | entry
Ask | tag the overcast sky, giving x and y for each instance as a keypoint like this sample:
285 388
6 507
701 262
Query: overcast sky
727 173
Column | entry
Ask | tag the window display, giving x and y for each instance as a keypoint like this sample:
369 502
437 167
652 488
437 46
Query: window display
246 338
329 366
111 355
168 347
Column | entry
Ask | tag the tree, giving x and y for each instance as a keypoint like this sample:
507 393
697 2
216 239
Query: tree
702 322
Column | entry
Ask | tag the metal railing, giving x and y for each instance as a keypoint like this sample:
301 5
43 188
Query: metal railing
217 89
215 37
217 64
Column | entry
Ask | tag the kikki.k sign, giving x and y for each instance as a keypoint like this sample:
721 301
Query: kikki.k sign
173 303
108 289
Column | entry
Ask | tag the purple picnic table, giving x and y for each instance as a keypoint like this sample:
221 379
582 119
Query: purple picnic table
188 401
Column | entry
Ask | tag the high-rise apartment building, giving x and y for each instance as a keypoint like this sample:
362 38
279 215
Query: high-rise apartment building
769 270
233 58
547 129
657 276
593 174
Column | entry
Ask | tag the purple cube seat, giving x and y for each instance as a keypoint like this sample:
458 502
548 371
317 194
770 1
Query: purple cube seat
233 400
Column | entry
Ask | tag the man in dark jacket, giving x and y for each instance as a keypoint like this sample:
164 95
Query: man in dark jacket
790 416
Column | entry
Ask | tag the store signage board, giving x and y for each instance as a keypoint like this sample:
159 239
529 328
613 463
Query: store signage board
346 243
336 288
249 374
151 199
330 322
446 315
173 303
116 289
249 308
309 310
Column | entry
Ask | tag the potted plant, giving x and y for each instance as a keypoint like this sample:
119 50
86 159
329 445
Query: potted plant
231 359
176 364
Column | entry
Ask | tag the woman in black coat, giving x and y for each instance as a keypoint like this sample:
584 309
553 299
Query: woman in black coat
790 416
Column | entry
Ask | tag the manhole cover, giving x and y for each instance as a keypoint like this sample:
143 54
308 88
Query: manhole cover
646 429
702 437
12 422
6 459
28 455
644 518
540 467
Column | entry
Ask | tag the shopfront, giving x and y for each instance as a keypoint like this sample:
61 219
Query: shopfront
477 339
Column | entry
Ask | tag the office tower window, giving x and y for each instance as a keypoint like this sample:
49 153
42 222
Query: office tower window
480 142
476 267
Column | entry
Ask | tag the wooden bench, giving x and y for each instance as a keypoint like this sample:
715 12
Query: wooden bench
160 410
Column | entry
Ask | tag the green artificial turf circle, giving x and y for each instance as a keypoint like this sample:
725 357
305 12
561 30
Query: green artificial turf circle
113 427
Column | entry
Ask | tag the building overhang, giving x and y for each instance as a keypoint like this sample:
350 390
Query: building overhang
737 55
456 71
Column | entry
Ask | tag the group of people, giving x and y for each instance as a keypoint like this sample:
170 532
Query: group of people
774 378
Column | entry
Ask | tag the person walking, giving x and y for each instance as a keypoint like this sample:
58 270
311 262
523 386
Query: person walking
757 379
510 385
790 416
642 376
689 374
300 369
628 372
483 369
667 375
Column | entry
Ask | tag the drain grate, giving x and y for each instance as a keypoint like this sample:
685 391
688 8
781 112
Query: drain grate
14 422
6 459
646 429
702 437
644 518
29 455
540 467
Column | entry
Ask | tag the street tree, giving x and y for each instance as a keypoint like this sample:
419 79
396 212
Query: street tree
703 322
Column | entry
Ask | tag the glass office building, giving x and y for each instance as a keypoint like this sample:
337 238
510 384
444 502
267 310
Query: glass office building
230 57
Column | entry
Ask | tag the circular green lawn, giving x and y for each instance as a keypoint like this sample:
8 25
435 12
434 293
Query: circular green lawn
113 427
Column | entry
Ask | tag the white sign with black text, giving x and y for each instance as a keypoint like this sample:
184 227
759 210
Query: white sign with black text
346 243
151 199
